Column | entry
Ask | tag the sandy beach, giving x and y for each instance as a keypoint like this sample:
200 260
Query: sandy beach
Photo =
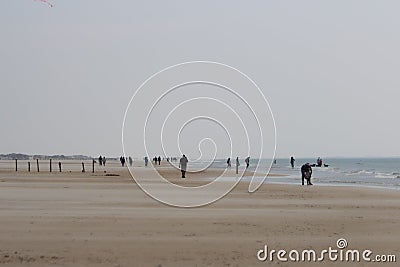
85 219
230 91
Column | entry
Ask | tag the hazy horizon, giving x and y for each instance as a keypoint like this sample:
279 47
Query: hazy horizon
328 70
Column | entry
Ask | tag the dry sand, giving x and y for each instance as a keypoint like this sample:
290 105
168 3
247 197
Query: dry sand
84 219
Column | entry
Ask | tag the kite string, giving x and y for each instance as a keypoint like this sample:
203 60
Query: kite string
45 1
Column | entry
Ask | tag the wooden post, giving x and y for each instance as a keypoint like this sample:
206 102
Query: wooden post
37 164
50 165
83 167
59 165
93 166
29 166
16 165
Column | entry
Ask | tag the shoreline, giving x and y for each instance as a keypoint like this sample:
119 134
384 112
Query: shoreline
114 167
298 182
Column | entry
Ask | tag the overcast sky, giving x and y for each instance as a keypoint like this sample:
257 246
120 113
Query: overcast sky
329 69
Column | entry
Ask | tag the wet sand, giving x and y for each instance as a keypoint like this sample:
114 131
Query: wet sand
85 219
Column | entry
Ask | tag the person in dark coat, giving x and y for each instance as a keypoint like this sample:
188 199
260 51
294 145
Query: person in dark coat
229 162
122 160
247 160
183 165
306 172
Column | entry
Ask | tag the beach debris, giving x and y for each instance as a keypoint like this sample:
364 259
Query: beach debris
46 2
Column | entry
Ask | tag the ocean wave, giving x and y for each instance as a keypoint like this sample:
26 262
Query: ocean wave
392 175
356 172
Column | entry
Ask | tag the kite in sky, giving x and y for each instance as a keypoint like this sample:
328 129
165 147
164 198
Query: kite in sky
47 2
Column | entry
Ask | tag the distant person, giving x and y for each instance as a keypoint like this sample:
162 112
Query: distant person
237 165
292 160
146 161
122 160
274 161
306 172
130 161
319 162
228 162
183 165
155 160
104 161
159 160
247 160
100 160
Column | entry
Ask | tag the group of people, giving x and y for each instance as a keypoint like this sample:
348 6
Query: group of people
306 170
182 163
229 164
157 159
123 161
102 161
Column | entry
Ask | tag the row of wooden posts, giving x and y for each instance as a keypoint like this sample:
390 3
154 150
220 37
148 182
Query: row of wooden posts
59 166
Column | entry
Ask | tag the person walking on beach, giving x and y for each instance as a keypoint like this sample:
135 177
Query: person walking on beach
183 165
130 161
100 160
104 161
292 160
159 160
146 161
247 160
306 172
122 160
229 162
237 165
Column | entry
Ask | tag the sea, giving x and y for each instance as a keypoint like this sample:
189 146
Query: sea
365 172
